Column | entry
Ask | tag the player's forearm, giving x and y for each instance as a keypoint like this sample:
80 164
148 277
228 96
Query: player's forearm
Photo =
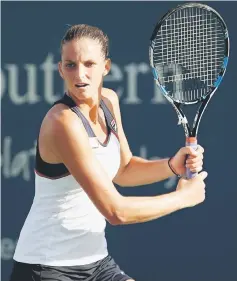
142 209
140 172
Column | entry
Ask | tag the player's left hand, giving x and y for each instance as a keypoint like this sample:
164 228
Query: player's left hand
194 161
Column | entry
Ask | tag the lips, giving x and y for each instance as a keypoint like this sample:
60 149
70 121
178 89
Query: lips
81 85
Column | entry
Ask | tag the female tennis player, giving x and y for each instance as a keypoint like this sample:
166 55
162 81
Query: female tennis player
82 150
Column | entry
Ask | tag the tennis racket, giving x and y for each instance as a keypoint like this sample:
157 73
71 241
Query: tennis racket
189 50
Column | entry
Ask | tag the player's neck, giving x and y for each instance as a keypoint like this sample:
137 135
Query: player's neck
89 107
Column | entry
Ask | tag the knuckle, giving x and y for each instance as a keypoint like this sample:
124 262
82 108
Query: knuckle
200 148
190 149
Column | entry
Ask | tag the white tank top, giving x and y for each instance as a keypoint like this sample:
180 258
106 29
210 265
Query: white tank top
63 227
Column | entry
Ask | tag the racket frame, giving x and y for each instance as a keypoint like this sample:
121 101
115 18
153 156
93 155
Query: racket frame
190 133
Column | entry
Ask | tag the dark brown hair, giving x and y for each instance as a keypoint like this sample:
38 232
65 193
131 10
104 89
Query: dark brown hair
87 31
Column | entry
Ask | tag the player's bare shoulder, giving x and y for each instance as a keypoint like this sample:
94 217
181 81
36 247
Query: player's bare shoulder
57 116
60 131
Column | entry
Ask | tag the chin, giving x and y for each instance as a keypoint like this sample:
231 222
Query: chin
83 95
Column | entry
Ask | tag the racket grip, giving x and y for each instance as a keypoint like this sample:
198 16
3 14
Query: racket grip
191 141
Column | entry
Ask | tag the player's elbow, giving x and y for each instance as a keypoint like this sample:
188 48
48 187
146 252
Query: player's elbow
114 220
114 209
118 216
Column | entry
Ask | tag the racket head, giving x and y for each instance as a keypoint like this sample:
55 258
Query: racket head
189 50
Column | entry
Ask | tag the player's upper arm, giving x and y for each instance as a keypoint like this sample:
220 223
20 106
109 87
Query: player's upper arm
71 145
112 101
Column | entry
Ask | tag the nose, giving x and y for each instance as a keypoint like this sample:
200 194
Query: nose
81 71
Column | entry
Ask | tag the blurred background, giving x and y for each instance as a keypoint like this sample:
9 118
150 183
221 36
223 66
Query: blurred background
198 244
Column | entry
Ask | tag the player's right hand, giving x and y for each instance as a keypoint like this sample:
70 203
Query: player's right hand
192 191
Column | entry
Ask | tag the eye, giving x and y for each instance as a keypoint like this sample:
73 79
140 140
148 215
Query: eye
89 64
70 65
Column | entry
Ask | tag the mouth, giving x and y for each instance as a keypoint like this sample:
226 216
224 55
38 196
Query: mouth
81 85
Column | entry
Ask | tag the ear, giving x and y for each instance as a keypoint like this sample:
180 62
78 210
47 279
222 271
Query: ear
107 67
60 69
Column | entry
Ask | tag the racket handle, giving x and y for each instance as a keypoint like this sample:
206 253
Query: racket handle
191 141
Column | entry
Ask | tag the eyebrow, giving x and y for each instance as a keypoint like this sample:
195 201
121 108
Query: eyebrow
88 60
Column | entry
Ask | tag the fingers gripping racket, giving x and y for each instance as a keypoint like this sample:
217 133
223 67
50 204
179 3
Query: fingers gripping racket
189 50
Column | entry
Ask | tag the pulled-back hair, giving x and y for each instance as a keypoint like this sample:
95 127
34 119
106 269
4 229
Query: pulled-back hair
87 31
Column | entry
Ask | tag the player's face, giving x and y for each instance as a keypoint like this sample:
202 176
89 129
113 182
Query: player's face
82 67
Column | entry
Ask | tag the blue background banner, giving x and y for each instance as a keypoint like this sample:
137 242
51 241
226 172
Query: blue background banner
197 244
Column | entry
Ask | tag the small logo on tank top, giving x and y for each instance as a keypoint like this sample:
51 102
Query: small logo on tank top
114 125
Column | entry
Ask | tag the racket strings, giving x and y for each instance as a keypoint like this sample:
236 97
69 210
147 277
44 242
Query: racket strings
188 53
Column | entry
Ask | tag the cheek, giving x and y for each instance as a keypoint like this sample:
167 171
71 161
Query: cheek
90 72
95 74
68 75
